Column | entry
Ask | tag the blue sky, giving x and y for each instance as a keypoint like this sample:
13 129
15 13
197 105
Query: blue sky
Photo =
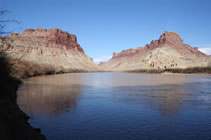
107 26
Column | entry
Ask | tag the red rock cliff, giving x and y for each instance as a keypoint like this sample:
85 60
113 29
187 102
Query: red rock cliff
168 51
51 50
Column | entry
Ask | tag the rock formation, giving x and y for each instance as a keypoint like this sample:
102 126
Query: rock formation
43 51
209 62
169 52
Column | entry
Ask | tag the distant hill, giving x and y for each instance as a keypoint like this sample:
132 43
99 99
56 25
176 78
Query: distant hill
168 52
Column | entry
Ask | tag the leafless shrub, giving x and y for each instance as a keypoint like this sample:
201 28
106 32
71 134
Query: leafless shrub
6 66
4 23
177 70
4 31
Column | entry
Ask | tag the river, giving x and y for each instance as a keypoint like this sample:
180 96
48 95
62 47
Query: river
119 106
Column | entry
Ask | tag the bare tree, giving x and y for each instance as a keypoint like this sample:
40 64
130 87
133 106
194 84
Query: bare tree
3 32
9 65
4 22
5 41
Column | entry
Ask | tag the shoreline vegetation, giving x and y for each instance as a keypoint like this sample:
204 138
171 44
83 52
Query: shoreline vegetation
192 70
22 70
14 122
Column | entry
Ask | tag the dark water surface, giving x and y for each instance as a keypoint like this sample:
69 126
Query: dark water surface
119 106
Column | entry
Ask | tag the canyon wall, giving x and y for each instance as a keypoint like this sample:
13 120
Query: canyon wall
43 51
168 52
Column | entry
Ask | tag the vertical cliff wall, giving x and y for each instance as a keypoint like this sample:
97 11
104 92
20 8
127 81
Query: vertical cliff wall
47 51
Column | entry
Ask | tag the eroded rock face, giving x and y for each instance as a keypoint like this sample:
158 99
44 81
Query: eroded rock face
166 53
209 62
48 50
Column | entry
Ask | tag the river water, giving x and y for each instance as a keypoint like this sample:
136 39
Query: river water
119 106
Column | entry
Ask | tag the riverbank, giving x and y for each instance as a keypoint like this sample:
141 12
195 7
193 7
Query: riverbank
24 70
193 70
14 122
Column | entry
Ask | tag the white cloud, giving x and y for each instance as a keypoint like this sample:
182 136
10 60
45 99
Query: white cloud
101 59
206 50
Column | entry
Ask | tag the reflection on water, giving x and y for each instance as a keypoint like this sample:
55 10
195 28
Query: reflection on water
119 106
168 99
47 99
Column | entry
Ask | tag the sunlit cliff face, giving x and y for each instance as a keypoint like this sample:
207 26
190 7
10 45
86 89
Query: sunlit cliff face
168 52
47 50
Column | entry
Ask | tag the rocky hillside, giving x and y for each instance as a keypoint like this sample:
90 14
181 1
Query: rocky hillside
169 52
43 51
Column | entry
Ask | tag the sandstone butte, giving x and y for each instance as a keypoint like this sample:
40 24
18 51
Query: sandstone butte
169 52
44 51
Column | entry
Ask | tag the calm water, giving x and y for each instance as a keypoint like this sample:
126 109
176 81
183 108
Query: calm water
119 106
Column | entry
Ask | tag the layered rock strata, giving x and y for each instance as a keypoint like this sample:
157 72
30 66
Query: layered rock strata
43 51
168 52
